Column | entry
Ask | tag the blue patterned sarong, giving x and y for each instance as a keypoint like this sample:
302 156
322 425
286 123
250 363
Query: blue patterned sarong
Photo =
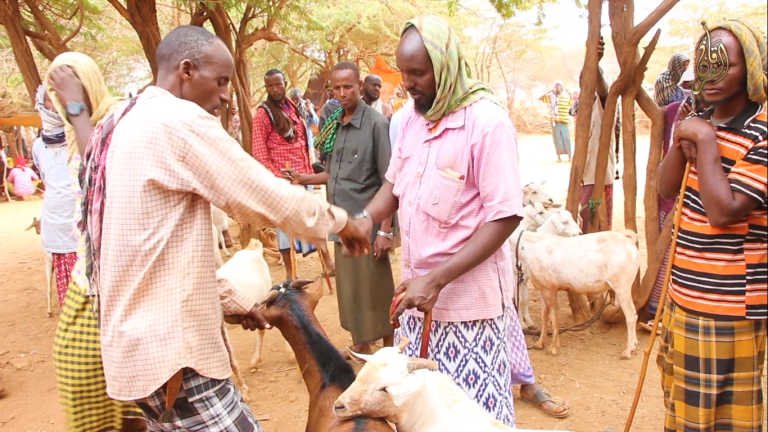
476 354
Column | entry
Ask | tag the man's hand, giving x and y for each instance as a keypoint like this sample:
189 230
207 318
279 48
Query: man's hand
683 111
691 135
355 236
254 320
381 247
600 49
291 175
420 293
67 85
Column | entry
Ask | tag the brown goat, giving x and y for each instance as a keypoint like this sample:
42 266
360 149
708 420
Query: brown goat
290 308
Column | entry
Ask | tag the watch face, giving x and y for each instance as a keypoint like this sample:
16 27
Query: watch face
74 108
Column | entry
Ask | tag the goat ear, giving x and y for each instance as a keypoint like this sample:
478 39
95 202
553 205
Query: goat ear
359 358
557 206
415 364
301 283
559 226
404 390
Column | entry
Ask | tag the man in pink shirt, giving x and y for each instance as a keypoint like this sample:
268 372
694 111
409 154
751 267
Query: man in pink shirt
22 180
454 178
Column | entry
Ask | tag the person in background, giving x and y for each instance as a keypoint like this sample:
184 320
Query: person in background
394 126
307 112
22 180
331 105
588 179
81 98
357 144
667 88
559 109
674 113
280 137
57 222
372 95
713 338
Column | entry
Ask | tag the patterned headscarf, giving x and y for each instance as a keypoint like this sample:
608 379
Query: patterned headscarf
455 87
666 85
327 135
102 102
753 43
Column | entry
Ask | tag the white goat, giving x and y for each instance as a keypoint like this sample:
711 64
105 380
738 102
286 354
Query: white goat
534 215
537 192
221 222
248 272
411 394
584 264
49 274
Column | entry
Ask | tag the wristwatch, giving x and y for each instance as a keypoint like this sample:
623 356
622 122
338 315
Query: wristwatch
74 109
385 234
363 214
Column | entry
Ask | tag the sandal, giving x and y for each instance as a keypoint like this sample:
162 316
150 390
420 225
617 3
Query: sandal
649 327
541 396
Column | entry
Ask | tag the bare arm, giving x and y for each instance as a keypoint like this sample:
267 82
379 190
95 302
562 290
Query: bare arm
312 179
384 205
69 88
83 128
671 170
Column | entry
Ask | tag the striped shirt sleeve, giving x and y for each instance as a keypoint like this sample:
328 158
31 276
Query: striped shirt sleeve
748 175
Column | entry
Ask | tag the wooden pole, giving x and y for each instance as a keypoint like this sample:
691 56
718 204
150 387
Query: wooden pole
292 248
662 299
325 271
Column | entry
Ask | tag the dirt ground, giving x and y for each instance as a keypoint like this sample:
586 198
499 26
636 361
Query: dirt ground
587 372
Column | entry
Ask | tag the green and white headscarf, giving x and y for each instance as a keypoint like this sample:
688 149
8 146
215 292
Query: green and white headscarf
455 87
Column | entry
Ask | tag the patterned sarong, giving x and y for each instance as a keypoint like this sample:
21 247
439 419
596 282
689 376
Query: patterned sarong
203 404
62 269
475 354
711 372
79 371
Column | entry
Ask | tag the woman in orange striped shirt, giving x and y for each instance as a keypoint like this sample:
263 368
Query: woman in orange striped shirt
714 328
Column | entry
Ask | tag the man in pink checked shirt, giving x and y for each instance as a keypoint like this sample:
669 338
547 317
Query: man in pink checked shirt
454 179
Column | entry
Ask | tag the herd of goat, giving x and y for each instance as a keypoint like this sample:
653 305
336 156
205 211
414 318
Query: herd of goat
409 393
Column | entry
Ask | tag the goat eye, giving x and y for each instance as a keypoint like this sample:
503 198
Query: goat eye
383 389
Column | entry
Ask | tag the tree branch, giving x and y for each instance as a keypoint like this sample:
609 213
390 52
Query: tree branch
651 20
74 33
121 10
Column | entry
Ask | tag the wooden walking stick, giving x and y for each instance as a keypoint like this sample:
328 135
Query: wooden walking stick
662 299
325 271
292 249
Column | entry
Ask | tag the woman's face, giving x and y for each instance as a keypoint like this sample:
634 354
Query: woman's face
47 102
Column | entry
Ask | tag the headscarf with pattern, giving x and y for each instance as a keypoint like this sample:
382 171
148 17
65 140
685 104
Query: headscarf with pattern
102 102
455 87
667 83
753 43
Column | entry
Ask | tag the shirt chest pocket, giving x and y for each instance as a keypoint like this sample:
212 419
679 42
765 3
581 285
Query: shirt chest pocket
354 160
447 181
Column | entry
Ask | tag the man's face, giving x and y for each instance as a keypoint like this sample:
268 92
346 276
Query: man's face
296 99
275 85
416 70
207 84
346 88
372 88
558 88
734 78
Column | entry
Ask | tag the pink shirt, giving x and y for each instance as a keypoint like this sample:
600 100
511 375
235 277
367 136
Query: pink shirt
439 213
22 181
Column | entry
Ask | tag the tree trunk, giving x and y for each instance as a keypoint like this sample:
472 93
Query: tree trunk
144 20
578 302
10 17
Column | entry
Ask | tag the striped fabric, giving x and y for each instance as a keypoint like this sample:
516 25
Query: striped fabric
711 372
563 107
722 272
79 372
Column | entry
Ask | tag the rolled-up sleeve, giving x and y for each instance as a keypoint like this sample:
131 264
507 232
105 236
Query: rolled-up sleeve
233 300
216 168
748 175
497 172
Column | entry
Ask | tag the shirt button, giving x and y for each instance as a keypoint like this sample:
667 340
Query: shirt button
426 144
407 233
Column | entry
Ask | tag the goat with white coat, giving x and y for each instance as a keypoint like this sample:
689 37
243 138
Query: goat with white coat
583 264
410 393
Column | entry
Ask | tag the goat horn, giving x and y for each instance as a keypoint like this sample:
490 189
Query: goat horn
271 296
415 364
404 341
301 283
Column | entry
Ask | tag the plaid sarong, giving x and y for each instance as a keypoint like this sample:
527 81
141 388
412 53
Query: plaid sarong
202 404
711 372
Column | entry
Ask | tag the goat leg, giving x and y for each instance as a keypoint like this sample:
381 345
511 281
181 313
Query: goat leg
235 367
257 350
630 314
539 344
555 328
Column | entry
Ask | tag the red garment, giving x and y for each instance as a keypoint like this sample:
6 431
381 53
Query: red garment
62 268
273 151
